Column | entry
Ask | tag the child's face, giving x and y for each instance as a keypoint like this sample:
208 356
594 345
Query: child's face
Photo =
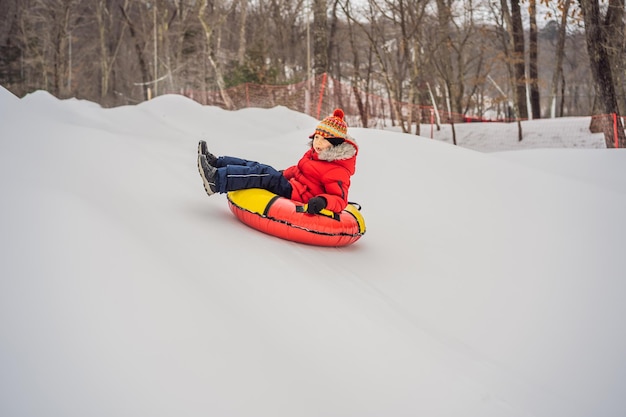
320 143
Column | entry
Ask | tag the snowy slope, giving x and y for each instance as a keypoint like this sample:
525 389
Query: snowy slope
487 284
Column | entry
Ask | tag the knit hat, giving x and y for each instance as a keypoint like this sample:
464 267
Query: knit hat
333 128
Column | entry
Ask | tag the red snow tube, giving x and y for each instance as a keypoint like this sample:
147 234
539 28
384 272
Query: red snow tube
287 219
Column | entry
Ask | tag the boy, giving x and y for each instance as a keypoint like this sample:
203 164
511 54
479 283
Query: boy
321 179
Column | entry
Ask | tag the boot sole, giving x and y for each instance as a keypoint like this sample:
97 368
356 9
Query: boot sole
205 181
200 152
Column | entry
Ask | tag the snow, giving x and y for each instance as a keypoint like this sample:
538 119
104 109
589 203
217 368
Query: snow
490 281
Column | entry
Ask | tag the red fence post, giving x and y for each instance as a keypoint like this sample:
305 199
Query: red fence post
615 137
432 122
319 102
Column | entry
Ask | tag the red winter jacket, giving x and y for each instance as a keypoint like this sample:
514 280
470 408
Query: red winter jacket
326 174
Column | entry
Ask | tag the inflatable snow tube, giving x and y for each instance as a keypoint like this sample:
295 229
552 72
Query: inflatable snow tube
288 219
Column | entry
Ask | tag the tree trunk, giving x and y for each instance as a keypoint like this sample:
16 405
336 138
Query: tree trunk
533 54
517 32
356 79
320 37
444 15
143 66
596 35
208 33
616 41
560 53
107 57
241 52
334 66
104 56
414 100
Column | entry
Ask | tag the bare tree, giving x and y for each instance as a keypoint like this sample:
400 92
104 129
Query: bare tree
109 42
209 52
414 47
533 71
243 11
9 44
616 48
560 52
375 30
598 33
445 49
334 44
320 37
362 67
517 36
47 26
391 31
139 41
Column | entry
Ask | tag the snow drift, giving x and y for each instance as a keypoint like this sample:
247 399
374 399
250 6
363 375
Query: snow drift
488 284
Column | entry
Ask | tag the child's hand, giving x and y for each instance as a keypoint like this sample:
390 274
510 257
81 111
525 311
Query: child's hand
316 204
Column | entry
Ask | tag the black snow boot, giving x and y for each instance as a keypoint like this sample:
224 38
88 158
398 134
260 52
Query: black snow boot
204 150
208 173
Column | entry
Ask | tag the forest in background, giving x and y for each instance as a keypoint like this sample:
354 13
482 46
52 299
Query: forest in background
477 58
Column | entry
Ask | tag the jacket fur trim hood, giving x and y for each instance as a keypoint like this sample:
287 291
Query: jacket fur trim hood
346 150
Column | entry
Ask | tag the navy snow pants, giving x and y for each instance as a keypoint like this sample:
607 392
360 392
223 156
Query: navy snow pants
238 174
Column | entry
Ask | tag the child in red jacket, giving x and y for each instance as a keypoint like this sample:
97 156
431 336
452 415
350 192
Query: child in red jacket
320 179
